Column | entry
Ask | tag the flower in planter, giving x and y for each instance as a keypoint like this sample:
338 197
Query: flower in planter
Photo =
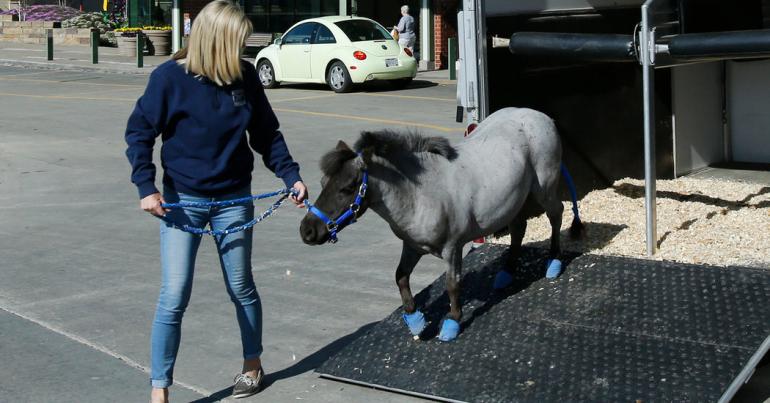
156 28
127 32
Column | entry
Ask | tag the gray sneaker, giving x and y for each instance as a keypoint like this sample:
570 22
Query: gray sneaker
246 386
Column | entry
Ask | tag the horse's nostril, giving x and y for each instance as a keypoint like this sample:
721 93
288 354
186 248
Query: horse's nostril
308 233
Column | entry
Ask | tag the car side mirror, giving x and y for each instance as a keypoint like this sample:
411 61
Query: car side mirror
278 41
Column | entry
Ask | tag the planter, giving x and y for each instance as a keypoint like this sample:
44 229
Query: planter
126 45
158 42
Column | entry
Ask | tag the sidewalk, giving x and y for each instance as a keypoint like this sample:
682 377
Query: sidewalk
69 57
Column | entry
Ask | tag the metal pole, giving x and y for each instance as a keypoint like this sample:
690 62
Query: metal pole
95 46
139 50
133 12
177 25
452 58
647 43
49 44
481 48
426 31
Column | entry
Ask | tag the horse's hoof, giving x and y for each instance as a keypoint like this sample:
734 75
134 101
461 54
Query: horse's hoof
415 322
553 268
502 280
449 330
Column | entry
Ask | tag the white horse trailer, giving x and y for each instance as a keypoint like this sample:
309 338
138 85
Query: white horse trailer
661 87
592 66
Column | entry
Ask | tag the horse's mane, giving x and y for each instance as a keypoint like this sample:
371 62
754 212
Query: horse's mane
332 162
388 142
385 144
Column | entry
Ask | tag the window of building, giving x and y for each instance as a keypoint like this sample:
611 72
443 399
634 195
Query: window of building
280 15
149 12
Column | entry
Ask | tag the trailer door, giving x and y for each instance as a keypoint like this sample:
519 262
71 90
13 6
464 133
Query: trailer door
472 78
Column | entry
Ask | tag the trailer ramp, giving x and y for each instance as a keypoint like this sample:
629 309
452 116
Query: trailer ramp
608 329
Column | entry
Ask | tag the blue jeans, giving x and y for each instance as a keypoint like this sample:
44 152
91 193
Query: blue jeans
177 256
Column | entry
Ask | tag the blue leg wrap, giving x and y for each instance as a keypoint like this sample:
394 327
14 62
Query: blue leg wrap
553 268
449 330
415 322
502 280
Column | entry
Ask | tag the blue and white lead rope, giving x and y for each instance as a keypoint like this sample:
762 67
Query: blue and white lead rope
226 203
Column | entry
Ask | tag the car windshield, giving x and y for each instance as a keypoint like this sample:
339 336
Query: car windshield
363 30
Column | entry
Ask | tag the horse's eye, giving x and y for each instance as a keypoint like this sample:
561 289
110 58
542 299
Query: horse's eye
349 189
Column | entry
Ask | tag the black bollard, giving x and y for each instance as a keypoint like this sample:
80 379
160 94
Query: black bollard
49 44
139 50
95 46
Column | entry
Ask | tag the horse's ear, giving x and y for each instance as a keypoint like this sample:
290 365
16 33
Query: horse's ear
342 146
363 160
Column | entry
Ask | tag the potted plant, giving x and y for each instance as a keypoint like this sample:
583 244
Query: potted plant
127 40
158 39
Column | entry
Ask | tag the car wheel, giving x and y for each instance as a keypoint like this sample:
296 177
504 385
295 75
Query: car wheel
338 78
266 74
401 83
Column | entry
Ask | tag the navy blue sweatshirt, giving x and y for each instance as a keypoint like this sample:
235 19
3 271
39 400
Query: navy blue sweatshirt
204 129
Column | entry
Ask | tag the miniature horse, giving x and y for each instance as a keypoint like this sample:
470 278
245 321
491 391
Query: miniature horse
437 198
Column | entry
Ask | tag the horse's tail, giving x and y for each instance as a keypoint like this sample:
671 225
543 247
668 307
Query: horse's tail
577 229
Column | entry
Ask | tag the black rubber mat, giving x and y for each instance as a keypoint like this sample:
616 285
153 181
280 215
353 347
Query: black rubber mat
608 329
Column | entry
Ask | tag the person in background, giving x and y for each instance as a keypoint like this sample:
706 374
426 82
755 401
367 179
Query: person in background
405 28
210 111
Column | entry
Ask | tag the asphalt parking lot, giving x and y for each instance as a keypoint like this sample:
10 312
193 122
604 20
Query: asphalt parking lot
80 262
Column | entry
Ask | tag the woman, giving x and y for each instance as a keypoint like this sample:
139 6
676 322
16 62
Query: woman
405 28
203 102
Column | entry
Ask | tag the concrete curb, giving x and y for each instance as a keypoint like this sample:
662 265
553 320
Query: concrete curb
136 71
73 67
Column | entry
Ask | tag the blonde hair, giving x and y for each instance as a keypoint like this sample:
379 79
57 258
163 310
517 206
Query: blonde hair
214 48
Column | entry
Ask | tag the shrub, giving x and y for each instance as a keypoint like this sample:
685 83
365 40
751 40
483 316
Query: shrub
89 20
108 39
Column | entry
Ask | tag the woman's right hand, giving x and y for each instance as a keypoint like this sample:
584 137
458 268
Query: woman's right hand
152 205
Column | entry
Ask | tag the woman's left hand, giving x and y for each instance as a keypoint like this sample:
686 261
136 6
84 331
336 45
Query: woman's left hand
299 199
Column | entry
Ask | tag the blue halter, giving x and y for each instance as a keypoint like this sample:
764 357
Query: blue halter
346 218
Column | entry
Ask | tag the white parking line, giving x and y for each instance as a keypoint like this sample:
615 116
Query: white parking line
300 98
100 348
421 98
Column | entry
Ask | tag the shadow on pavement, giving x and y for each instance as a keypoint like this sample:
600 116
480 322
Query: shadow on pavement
372 86
306 364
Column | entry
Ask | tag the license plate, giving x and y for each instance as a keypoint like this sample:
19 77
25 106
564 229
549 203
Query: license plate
391 62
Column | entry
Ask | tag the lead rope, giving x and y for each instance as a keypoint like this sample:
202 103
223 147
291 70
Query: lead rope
225 203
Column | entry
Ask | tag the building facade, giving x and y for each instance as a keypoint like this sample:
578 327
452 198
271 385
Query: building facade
436 20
